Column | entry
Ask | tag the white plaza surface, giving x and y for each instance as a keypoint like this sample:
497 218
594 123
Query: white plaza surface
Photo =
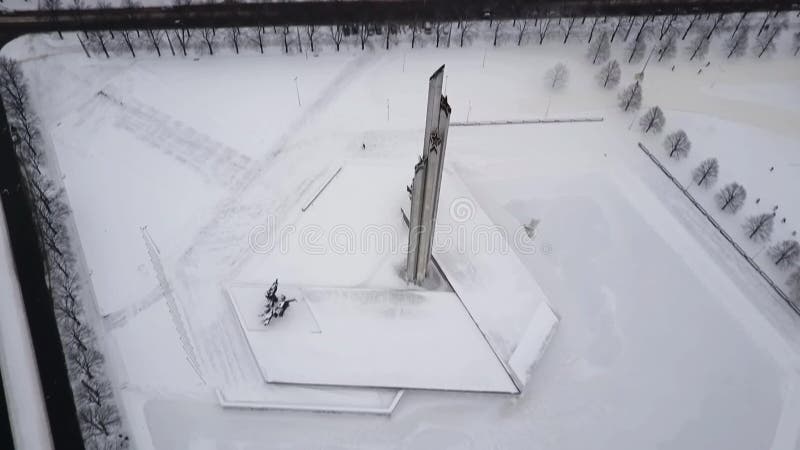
444 333
665 338
502 296
378 338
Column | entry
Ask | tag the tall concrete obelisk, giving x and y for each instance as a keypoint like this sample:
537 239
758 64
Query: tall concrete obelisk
427 182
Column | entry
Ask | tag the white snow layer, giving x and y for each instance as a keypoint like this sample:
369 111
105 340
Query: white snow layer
665 339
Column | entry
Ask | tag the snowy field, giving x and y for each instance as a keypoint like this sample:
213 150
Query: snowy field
175 167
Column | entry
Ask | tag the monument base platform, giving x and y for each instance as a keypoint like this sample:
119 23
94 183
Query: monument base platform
370 338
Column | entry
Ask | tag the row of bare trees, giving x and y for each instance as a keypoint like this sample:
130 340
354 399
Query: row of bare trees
97 411
184 41
785 254
667 32
662 35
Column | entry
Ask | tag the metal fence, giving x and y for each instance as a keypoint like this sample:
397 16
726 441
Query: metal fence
716 225
524 122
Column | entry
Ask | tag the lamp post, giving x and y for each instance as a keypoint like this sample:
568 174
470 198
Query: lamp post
297 89
640 76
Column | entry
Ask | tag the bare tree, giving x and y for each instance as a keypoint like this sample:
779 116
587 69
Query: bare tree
208 35
794 285
99 40
600 49
155 40
95 392
388 29
636 51
449 33
731 197
738 42
616 28
497 27
256 36
796 43
568 29
83 45
544 26
465 27
521 26
706 173
67 306
311 30
785 253
720 20
285 32
104 4
557 76
86 360
363 34
183 36
668 47
631 97
51 6
438 28
644 29
233 35
336 35
653 120
677 144
699 47
591 31
299 40
631 21
99 420
609 75
20 117
739 23
79 339
765 42
689 27
759 226
128 39
764 23
414 28
666 26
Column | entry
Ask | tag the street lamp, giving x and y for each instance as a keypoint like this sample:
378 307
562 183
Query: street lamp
640 76
297 89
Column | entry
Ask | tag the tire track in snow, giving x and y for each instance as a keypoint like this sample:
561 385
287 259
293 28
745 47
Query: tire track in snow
172 305
213 160
227 205
222 242
122 316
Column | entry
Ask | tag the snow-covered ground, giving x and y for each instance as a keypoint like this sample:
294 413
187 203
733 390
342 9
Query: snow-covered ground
666 338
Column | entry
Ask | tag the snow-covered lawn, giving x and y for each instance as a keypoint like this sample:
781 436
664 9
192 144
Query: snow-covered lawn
665 340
